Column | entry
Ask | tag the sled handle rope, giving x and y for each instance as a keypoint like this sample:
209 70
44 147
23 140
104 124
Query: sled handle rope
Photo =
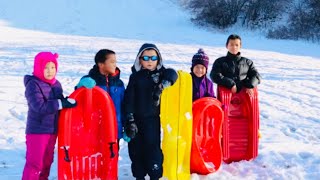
111 149
66 152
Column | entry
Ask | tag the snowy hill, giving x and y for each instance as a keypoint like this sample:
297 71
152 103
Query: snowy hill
289 93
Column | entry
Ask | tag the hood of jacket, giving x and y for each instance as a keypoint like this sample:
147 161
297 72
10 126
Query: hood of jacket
137 66
40 62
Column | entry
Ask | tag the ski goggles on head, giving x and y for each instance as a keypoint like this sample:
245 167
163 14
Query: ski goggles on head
147 58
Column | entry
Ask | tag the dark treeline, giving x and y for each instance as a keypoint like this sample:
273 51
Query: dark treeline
280 19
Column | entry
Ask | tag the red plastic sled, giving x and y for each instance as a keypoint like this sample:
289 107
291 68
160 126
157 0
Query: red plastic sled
241 125
87 137
206 155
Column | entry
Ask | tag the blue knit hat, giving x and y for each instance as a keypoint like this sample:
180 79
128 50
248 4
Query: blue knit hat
200 58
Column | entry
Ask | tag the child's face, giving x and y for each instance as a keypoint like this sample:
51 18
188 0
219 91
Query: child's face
149 64
50 71
109 66
199 70
234 46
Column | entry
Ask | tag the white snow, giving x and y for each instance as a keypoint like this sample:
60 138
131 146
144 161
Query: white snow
289 93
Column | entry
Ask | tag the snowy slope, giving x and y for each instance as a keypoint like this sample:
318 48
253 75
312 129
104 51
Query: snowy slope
159 20
289 93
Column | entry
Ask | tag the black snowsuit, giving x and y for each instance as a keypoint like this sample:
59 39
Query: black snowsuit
233 70
144 149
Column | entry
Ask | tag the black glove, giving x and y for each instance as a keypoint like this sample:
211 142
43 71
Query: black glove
156 94
239 86
170 75
130 128
158 90
68 102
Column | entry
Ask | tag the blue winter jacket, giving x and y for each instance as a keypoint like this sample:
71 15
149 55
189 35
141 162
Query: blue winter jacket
115 88
43 107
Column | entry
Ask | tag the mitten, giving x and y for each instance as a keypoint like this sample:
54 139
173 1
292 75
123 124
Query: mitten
86 82
130 128
126 138
67 103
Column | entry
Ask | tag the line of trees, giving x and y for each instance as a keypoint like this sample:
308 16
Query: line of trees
283 19
303 23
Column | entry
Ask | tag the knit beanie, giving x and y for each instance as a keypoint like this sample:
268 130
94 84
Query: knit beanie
200 58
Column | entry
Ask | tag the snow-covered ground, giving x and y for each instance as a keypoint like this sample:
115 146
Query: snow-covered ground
289 93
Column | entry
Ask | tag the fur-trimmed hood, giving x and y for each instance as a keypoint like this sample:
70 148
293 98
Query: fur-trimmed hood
137 66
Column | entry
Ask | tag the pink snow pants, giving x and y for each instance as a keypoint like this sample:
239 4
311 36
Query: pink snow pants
39 156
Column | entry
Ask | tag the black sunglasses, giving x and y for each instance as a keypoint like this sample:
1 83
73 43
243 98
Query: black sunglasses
147 58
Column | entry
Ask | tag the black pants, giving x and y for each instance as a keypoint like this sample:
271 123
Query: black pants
145 151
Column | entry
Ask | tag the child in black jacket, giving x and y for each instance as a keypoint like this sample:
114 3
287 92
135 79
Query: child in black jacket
234 71
142 108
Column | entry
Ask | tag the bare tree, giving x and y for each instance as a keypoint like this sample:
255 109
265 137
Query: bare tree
262 13
219 13
303 23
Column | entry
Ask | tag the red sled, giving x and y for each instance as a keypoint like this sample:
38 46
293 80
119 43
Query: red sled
206 154
87 137
241 125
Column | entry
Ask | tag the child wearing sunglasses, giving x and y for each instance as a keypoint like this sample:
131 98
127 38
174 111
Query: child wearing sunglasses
201 85
142 108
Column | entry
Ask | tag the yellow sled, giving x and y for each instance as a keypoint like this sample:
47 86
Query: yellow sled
176 122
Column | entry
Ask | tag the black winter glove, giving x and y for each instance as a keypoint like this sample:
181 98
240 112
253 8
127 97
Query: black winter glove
158 90
239 86
130 128
156 95
68 102
170 75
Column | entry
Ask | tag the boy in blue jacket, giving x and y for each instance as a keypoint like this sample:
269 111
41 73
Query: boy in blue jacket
106 75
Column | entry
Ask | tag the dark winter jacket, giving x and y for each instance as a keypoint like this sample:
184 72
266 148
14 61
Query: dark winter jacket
233 70
115 88
142 86
139 93
43 105
201 87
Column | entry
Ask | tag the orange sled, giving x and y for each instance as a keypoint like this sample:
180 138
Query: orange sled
206 155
